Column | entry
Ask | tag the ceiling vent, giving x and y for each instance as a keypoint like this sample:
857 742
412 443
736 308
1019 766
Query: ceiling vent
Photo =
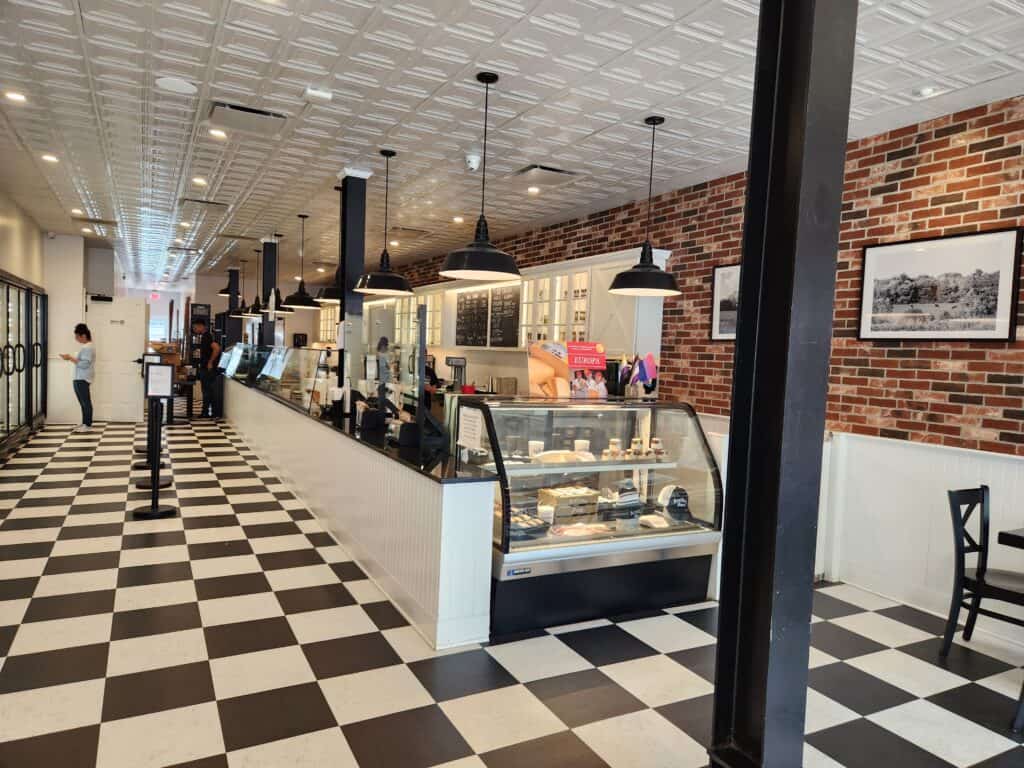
258 122
233 236
94 222
406 234
196 201
543 176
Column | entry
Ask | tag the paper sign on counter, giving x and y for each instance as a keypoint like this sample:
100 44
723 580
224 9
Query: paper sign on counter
471 428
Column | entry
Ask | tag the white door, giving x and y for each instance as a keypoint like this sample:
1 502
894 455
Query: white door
119 336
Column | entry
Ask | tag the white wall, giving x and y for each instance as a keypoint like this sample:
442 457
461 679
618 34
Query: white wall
884 521
21 243
64 279
892 531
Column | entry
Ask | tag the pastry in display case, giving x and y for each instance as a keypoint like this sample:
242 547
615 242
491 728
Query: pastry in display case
629 487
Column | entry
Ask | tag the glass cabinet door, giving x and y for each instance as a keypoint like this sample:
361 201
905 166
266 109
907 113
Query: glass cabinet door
5 377
15 409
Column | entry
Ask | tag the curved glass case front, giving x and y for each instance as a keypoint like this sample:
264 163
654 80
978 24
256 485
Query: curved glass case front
576 473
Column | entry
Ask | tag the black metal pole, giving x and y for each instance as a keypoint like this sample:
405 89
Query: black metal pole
797 151
351 257
156 416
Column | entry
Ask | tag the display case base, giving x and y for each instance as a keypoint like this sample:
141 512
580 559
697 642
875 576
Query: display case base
582 595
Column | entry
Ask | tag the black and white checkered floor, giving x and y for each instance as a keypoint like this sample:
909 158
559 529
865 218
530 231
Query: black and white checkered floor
240 634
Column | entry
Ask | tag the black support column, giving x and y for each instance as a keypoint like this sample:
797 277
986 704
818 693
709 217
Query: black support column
232 289
269 285
797 152
232 325
351 262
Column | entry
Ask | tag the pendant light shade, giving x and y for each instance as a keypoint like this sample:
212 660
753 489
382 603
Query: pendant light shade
301 299
331 294
481 260
384 282
226 290
645 278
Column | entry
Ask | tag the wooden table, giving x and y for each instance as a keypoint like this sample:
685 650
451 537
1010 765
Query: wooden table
1013 538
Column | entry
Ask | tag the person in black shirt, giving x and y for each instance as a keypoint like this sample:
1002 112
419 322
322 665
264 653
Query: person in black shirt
209 371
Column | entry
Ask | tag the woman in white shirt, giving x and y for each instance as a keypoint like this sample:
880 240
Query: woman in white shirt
83 375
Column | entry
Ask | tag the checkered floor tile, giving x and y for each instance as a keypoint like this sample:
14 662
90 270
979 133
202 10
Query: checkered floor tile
240 634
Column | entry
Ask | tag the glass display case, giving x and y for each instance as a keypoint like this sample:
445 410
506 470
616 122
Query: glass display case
601 509
300 376
573 473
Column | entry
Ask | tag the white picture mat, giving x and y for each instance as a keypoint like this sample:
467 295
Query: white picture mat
724 281
159 380
987 251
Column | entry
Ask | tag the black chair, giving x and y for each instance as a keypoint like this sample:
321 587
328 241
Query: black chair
970 585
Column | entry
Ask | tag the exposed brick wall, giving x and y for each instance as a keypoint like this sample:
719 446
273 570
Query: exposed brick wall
959 173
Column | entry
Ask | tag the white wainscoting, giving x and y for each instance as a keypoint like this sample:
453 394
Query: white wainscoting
426 544
891 530
884 521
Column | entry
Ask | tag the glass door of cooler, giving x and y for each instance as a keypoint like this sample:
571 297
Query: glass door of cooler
14 358
6 361
38 357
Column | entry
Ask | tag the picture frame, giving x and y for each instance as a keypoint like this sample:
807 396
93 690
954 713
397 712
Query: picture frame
957 288
725 291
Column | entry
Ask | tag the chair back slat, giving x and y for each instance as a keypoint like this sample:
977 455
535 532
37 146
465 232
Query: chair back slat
962 506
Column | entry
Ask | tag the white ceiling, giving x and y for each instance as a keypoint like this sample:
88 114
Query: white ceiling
577 79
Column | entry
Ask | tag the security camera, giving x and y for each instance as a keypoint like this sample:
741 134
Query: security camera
473 161
51 235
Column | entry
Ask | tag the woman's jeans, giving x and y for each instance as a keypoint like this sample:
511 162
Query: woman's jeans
84 400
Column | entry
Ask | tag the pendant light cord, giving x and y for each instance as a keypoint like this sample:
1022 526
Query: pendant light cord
302 249
650 185
387 184
483 179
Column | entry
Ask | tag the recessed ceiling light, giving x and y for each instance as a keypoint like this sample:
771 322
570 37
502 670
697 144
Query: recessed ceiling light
86 231
176 85
185 224
458 219
296 278
15 96
76 211
179 241
217 133
50 158
533 190
925 91
430 202
199 181
393 243
320 269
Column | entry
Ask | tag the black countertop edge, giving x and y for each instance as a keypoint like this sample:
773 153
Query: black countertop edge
378 442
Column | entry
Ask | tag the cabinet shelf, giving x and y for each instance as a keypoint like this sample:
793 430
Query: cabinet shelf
581 467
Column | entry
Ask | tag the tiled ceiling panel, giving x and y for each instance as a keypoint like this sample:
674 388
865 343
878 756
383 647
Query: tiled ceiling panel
577 78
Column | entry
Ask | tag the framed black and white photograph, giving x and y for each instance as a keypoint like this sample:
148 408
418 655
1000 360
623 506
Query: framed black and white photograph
725 298
962 287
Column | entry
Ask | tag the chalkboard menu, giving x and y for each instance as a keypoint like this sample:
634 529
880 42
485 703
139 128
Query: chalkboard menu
471 319
505 316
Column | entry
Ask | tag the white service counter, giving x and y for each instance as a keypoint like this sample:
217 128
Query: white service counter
425 540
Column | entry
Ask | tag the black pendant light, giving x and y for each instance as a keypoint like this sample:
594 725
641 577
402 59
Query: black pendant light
331 294
646 278
384 282
480 260
226 290
300 299
241 310
254 309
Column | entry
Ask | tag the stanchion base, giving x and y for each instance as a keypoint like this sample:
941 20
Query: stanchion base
145 465
152 513
146 484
